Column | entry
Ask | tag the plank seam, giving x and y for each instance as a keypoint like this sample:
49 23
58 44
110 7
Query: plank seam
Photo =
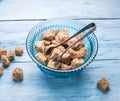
71 18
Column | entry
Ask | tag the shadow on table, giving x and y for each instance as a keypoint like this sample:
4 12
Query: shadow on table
77 78
73 84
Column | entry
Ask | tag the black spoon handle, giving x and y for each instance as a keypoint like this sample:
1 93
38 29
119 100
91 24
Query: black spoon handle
91 27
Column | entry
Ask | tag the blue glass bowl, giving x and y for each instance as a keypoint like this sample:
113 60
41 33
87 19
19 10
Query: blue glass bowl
72 26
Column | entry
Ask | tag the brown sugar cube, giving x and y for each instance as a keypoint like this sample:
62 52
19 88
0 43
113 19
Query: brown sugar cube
41 57
64 31
76 62
64 66
61 37
61 48
54 32
56 52
39 46
45 42
52 64
2 52
1 70
11 55
5 60
47 36
54 42
78 46
73 53
66 58
18 50
17 74
83 52
103 84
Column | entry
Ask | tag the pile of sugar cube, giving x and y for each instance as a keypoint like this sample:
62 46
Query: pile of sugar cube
8 56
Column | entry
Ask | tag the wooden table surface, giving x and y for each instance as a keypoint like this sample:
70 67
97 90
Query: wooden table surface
17 17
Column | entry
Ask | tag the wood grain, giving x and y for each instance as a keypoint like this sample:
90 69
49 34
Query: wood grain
42 9
39 86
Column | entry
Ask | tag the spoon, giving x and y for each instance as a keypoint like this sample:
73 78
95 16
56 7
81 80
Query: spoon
93 28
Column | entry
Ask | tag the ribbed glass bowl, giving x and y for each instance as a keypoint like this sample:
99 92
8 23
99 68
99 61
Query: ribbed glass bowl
72 26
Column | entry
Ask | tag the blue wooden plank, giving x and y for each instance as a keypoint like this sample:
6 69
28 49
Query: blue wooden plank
15 33
82 87
41 9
